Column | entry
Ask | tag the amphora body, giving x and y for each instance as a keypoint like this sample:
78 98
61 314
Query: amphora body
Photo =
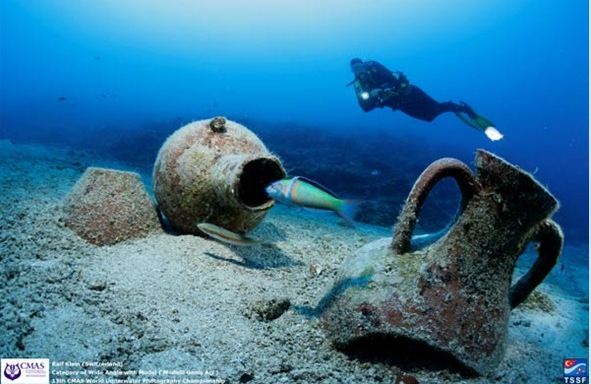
214 171
454 296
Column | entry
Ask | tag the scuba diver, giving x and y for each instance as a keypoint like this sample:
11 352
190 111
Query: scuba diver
377 86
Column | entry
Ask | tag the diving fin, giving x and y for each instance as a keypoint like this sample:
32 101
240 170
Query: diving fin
492 133
482 124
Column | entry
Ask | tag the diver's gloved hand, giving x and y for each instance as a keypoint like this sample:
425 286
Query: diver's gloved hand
378 96
385 96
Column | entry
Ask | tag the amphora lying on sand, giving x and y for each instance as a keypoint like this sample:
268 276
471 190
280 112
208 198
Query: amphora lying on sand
452 298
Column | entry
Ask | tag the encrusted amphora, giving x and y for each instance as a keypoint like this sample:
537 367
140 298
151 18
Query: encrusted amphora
454 296
214 171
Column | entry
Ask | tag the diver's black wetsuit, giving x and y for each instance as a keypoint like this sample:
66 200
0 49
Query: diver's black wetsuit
377 86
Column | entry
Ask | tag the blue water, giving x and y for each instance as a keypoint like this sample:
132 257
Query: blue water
130 72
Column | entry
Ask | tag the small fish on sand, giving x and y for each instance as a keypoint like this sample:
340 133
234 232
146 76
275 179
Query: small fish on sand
310 194
226 236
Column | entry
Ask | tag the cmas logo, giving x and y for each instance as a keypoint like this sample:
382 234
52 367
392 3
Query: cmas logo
575 371
12 371
24 371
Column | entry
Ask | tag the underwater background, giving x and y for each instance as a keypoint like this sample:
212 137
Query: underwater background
115 78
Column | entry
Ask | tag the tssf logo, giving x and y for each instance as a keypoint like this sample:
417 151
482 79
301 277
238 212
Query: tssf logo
24 371
575 371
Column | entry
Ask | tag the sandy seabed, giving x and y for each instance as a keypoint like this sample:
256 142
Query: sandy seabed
186 303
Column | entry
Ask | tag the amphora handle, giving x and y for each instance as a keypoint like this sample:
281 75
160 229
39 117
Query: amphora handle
438 170
549 236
